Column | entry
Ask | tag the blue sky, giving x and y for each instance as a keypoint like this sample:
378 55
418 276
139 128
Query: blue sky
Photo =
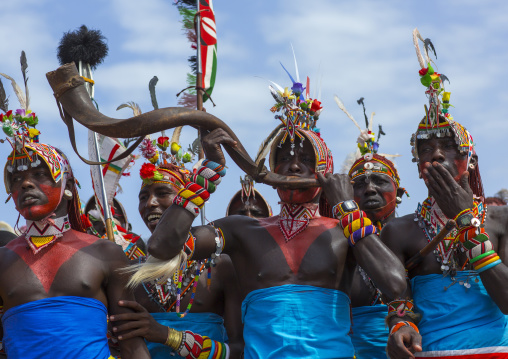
358 48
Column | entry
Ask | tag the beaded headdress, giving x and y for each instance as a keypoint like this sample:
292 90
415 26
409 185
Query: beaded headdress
298 113
19 126
366 159
438 121
248 191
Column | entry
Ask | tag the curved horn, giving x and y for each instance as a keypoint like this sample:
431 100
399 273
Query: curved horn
70 93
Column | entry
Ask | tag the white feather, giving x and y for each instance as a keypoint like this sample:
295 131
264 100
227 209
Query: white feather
343 108
371 121
296 65
17 90
133 106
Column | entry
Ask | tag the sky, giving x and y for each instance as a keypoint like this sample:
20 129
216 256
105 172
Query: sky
351 48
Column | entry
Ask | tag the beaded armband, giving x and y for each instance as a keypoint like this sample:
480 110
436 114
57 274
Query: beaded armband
354 222
188 205
401 325
195 346
401 308
188 247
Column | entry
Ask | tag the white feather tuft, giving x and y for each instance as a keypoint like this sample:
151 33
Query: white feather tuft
17 90
343 108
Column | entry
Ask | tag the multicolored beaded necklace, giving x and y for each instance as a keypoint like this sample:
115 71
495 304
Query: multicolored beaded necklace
431 220
169 295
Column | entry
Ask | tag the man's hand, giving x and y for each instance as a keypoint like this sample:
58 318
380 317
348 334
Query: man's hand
404 343
138 324
336 187
211 145
451 196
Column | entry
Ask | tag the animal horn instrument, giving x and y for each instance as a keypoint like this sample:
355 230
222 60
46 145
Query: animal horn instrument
74 103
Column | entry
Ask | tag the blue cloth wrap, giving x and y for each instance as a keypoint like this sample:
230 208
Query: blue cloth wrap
59 327
457 318
209 324
370 333
297 321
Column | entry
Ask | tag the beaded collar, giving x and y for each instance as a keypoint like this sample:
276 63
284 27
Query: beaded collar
294 218
41 234
168 295
431 220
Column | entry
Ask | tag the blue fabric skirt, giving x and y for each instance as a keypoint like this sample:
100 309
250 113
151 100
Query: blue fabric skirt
458 320
59 327
297 321
209 324
370 333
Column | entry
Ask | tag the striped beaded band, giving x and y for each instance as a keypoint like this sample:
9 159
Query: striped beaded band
214 166
389 171
351 217
203 182
356 225
400 325
361 233
401 306
209 174
191 196
197 189
188 205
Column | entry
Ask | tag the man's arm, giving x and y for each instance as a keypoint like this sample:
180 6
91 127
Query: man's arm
232 306
406 341
495 279
453 198
116 290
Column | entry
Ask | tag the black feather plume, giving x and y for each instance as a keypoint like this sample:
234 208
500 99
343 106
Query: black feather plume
360 102
428 44
444 78
380 132
193 63
84 45
24 67
4 101
151 88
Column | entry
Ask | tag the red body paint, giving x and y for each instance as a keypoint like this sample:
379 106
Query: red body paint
40 211
461 166
47 262
295 249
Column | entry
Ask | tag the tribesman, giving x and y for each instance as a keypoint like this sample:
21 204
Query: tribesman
203 296
377 191
248 201
57 283
295 269
460 289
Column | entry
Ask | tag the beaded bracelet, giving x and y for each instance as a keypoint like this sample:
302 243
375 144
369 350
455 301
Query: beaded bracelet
482 248
209 174
491 265
214 166
361 233
486 261
403 324
189 246
356 225
351 217
188 205
197 189
203 182
467 210
191 196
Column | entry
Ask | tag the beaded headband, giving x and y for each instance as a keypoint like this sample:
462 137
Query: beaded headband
370 164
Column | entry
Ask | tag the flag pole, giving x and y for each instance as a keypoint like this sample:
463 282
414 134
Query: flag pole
199 93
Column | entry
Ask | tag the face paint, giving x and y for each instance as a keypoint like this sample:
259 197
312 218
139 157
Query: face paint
461 166
41 211
296 196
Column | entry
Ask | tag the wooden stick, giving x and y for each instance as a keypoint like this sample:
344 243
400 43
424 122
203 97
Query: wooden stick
418 257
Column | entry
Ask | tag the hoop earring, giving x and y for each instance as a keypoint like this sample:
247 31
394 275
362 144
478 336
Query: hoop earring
67 194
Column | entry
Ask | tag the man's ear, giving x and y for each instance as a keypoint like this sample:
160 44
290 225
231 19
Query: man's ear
473 162
400 192
69 184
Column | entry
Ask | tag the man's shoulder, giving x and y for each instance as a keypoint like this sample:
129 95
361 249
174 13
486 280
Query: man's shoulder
405 222
498 213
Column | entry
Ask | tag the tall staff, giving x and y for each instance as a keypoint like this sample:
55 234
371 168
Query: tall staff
87 49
